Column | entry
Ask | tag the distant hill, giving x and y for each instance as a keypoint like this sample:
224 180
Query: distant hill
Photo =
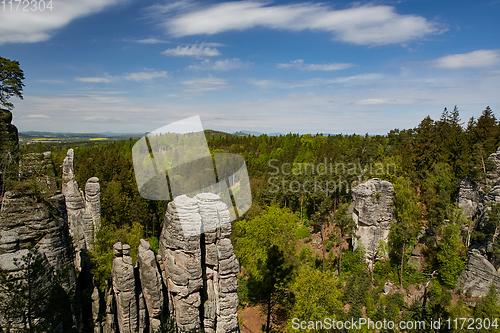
254 133
47 137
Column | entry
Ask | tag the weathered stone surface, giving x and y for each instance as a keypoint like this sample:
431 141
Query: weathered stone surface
75 206
95 310
373 211
24 222
27 222
477 276
200 267
143 317
495 158
93 203
181 257
152 289
469 198
110 315
84 210
124 289
221 266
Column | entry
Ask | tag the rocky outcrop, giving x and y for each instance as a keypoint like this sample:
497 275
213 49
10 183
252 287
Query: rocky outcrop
36 219
181 258
220 266
475 200
200 270
469 198
124 289
478 275
151 284
93 203
95 310
109 320
373 211
84 210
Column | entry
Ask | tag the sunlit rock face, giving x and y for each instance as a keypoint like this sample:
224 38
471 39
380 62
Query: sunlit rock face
192 279
373 211
124 287
477 275
83 209
200 269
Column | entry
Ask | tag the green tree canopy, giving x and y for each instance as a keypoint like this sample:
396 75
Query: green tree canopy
11 81
274 226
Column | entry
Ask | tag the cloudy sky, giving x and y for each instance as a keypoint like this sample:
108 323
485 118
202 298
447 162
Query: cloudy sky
276 66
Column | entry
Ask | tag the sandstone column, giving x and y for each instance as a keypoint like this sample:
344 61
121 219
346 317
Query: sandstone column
124 289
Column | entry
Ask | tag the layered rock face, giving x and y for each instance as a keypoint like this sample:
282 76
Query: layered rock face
477 276
151 284
124 289
84 210
373 211
475 199
27 221
192 279
221 266
200 269
469 198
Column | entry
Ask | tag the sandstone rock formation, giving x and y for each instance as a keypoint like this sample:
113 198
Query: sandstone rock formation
108 324
84 210
475 200
124 289
373 211
220 267
477 276
37 220
151 284
181 258
93 203
95 310
469 198
200 269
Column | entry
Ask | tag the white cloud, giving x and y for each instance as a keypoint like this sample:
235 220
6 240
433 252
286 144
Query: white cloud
299 64
147 75
151 41
363 25
192 51
19 26
475 59
205 84
386 101
94 79
220 65
344 81
37 116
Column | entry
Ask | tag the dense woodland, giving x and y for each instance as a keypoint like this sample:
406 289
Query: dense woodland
284 268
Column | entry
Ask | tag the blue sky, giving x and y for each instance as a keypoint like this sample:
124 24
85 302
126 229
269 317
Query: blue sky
276 66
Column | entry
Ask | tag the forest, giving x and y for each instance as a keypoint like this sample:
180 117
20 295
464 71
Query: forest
295 244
